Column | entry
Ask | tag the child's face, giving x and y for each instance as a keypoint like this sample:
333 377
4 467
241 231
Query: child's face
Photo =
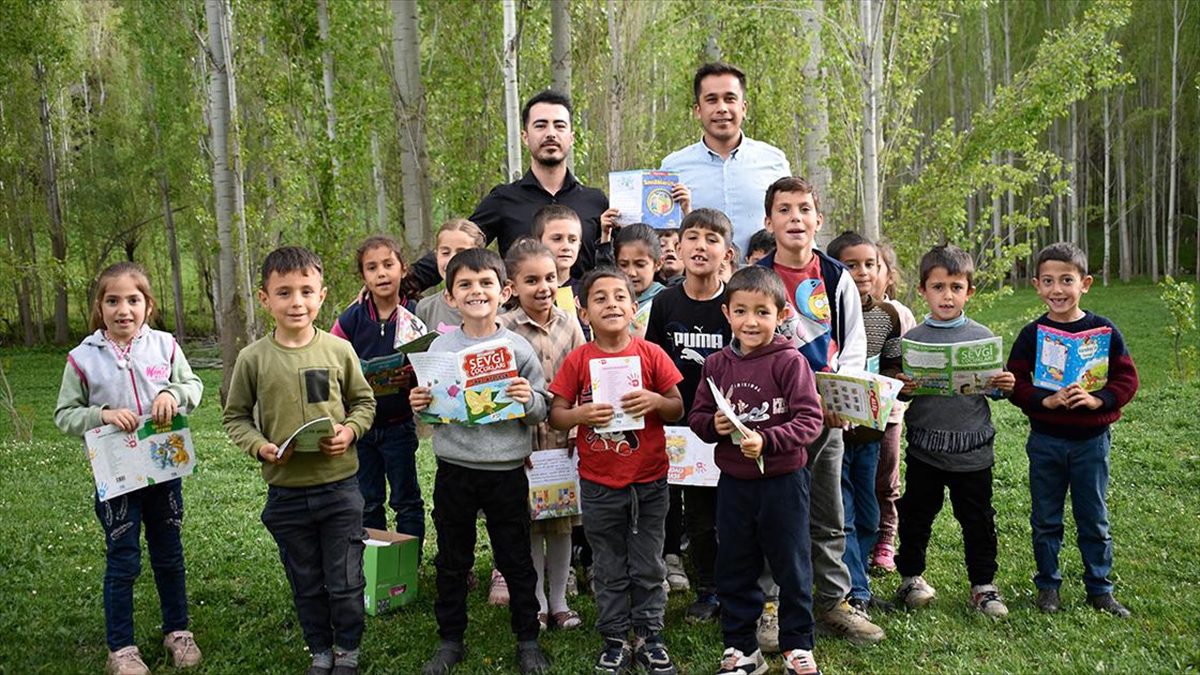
123 308
725 271
293 298
1060 286
756 255
946 293
449 244
535 284
883 278
381 272
476 294
862 261
609 308
670 263
794 221
636 261
703 251
753 316
563 237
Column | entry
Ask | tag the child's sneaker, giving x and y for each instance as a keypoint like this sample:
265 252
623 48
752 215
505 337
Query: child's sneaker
883 559
705 608
847 622
181 645
676 576
1105 602
1048 601
126 661
499 594
734 662
615 659
800 662
768 629
651 655
915 592
986 599
448 655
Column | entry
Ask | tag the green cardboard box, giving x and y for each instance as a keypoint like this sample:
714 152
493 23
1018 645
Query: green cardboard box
390 565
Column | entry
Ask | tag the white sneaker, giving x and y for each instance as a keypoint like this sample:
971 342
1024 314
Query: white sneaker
986 599
676 576
734 662
126 661
800 662
768 629
915 592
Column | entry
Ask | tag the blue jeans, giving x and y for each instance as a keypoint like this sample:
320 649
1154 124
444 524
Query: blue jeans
1056 464
861 508
387 456
160 508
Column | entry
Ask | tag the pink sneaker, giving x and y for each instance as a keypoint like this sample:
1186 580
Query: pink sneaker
884 558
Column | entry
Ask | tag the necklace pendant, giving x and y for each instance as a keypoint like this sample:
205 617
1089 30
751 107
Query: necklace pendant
122 363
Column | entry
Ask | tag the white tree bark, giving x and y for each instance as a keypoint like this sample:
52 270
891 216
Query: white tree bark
1153 224
869 14
1107 183
327 79
816 114
1073 175
381 205
988 94
560 54
410 118
1010 195
512 105
239 191
58 232
1170 254
616 86
1125 251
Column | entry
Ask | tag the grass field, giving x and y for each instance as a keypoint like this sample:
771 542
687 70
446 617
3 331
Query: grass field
52 554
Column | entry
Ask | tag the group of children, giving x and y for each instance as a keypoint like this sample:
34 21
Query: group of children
779 550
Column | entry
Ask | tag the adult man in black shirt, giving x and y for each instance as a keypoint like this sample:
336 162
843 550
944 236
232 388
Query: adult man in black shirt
507 211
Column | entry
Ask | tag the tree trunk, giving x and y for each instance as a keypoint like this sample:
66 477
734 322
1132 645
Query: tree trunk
164 192
410 118
58 232
1153 224
872 77
1107 182
381 203
512 105
1170 252
560 54
327 80
1073 175
1124 253
1009 158
616 88
239 191
816 114
988 93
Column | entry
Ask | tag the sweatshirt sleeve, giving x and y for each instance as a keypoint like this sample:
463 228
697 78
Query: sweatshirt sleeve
704 409
852 352
238 416
1122 375
798 384
72 414
530 368
185 385
357 395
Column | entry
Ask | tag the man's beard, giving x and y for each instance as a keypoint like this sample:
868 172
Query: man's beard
550 161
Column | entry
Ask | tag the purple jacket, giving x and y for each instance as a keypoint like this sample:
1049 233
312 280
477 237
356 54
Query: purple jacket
774 393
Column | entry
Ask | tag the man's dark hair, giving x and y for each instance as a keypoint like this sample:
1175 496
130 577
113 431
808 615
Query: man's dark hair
708 219
1063 252
760 241
551 212
289 259
844 241
475 260
605 272
637 233
950 258
545 96
716 68
790 184
758 279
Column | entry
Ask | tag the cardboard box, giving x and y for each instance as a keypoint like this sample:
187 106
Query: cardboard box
391 571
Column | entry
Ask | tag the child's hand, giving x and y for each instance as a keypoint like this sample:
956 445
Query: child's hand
1056 400
640 401
608 220
339 442
683 196
519 391
834 421
752 444
909 385
595 414
1004 381
420 398
269 453
723 425
1078 397
120 417
164 407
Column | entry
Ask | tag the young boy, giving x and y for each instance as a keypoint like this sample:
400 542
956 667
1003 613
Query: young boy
860 460
686 320
559 228
481 467
762 509
314 509
671 271
1069 436
827 328
623 476
949 445
762 244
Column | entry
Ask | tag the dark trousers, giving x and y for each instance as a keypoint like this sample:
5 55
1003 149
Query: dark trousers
767 518
971 498
387 459
160 508
674 542
459 493
700 518
320 536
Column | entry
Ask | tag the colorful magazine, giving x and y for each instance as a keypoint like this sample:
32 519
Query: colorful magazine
468 385
691 459
645 197
863 398
553 484
957 369
1065 358
125 461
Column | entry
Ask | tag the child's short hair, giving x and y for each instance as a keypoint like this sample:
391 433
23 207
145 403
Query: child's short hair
950 258
377 241
708 219
791 184
758 279
289 259
761 241
551 212
887 256
523 249
845 240
638 233
1063 252
463 225
475 260
605 272
111 273
667 232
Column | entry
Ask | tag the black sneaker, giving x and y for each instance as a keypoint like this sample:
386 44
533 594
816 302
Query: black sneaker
1048 601
705 608
860 604
1105 602
448 655
653 658
615 659
880 604
531 660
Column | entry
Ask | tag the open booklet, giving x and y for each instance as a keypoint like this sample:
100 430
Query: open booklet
308 437
1066 358
956 369
468 385
612 378
691 459
645 197
741 430
124 461
862 398
553 484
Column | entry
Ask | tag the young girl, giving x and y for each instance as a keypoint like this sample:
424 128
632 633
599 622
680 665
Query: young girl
387 452
637 251
456 234
553 334
118 375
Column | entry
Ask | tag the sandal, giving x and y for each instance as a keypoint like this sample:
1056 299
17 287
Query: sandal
567 620
543 620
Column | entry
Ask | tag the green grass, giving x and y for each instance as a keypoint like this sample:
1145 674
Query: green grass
52 558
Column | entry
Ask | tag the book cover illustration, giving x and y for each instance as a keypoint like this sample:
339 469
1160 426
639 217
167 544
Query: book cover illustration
863 398
691 459
612 378
125 461
1066 358
308 437
468 385
553 484
957 369
645 197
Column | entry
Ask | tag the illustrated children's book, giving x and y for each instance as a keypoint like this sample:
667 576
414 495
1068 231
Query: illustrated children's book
864 398
468 385
691 459
957 369
125 461
1065 358
612 378
553 484
408 329
308 437
645 197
